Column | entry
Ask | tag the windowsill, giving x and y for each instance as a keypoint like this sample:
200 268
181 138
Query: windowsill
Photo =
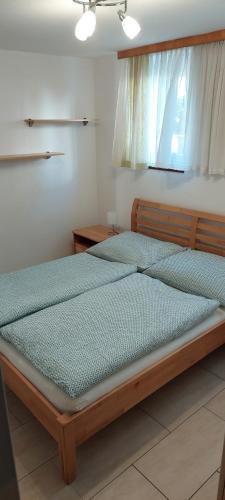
166 170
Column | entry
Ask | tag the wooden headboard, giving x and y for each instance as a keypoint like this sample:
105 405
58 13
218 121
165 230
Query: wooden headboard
191 228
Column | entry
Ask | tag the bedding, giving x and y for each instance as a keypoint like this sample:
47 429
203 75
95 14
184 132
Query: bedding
79 343
134 248
34 288
194 272
66 404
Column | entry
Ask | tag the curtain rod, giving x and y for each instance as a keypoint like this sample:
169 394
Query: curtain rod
214 36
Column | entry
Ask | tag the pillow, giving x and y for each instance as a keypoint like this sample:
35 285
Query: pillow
134 248
195 272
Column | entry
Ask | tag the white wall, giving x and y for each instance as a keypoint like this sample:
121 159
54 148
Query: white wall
41 201
106 81
119 187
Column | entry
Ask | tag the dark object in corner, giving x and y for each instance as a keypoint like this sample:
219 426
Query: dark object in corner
8 481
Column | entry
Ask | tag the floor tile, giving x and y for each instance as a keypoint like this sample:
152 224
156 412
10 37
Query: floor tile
209 490
45 484
17 408
129 486
114 449
217 405
215 362
179 399
185 459
33 446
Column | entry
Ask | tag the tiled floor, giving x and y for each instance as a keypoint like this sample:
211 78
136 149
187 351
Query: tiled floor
169 447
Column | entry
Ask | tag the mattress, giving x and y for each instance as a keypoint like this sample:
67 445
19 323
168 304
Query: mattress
69 405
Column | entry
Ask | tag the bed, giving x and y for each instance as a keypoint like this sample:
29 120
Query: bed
70 426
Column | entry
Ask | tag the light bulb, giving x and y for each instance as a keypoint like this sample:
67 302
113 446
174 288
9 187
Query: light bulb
131 27
80 32
86 25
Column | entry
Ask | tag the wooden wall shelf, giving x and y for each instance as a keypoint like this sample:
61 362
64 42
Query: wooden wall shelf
31 121
30 156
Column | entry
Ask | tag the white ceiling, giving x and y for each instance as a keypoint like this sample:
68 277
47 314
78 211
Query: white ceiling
47 26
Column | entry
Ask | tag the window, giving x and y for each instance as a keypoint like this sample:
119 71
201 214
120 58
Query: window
167 102
170 111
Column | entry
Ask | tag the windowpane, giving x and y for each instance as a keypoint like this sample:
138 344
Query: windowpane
167 102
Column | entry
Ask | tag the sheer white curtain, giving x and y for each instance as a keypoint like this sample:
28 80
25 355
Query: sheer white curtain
170 110
207 109
168 107
151 111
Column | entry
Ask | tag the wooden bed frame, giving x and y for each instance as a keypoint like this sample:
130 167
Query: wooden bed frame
190 228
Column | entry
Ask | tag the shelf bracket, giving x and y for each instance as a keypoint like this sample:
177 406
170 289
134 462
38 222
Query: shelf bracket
85 122
29 122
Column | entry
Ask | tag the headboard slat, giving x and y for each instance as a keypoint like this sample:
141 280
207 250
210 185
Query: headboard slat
217 242
165 216
168 228
164 236
209 228
191 228
209 249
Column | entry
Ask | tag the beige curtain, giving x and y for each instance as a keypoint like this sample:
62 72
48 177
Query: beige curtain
207 109
131 127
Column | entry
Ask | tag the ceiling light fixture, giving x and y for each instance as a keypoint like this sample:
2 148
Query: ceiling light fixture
86 25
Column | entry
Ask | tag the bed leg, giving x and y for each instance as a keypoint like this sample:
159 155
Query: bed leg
67 455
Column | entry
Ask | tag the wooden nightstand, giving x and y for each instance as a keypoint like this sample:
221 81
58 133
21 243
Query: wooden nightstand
86 237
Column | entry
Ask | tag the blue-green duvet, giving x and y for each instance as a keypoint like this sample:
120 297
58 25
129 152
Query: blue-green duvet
32 289
79 343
